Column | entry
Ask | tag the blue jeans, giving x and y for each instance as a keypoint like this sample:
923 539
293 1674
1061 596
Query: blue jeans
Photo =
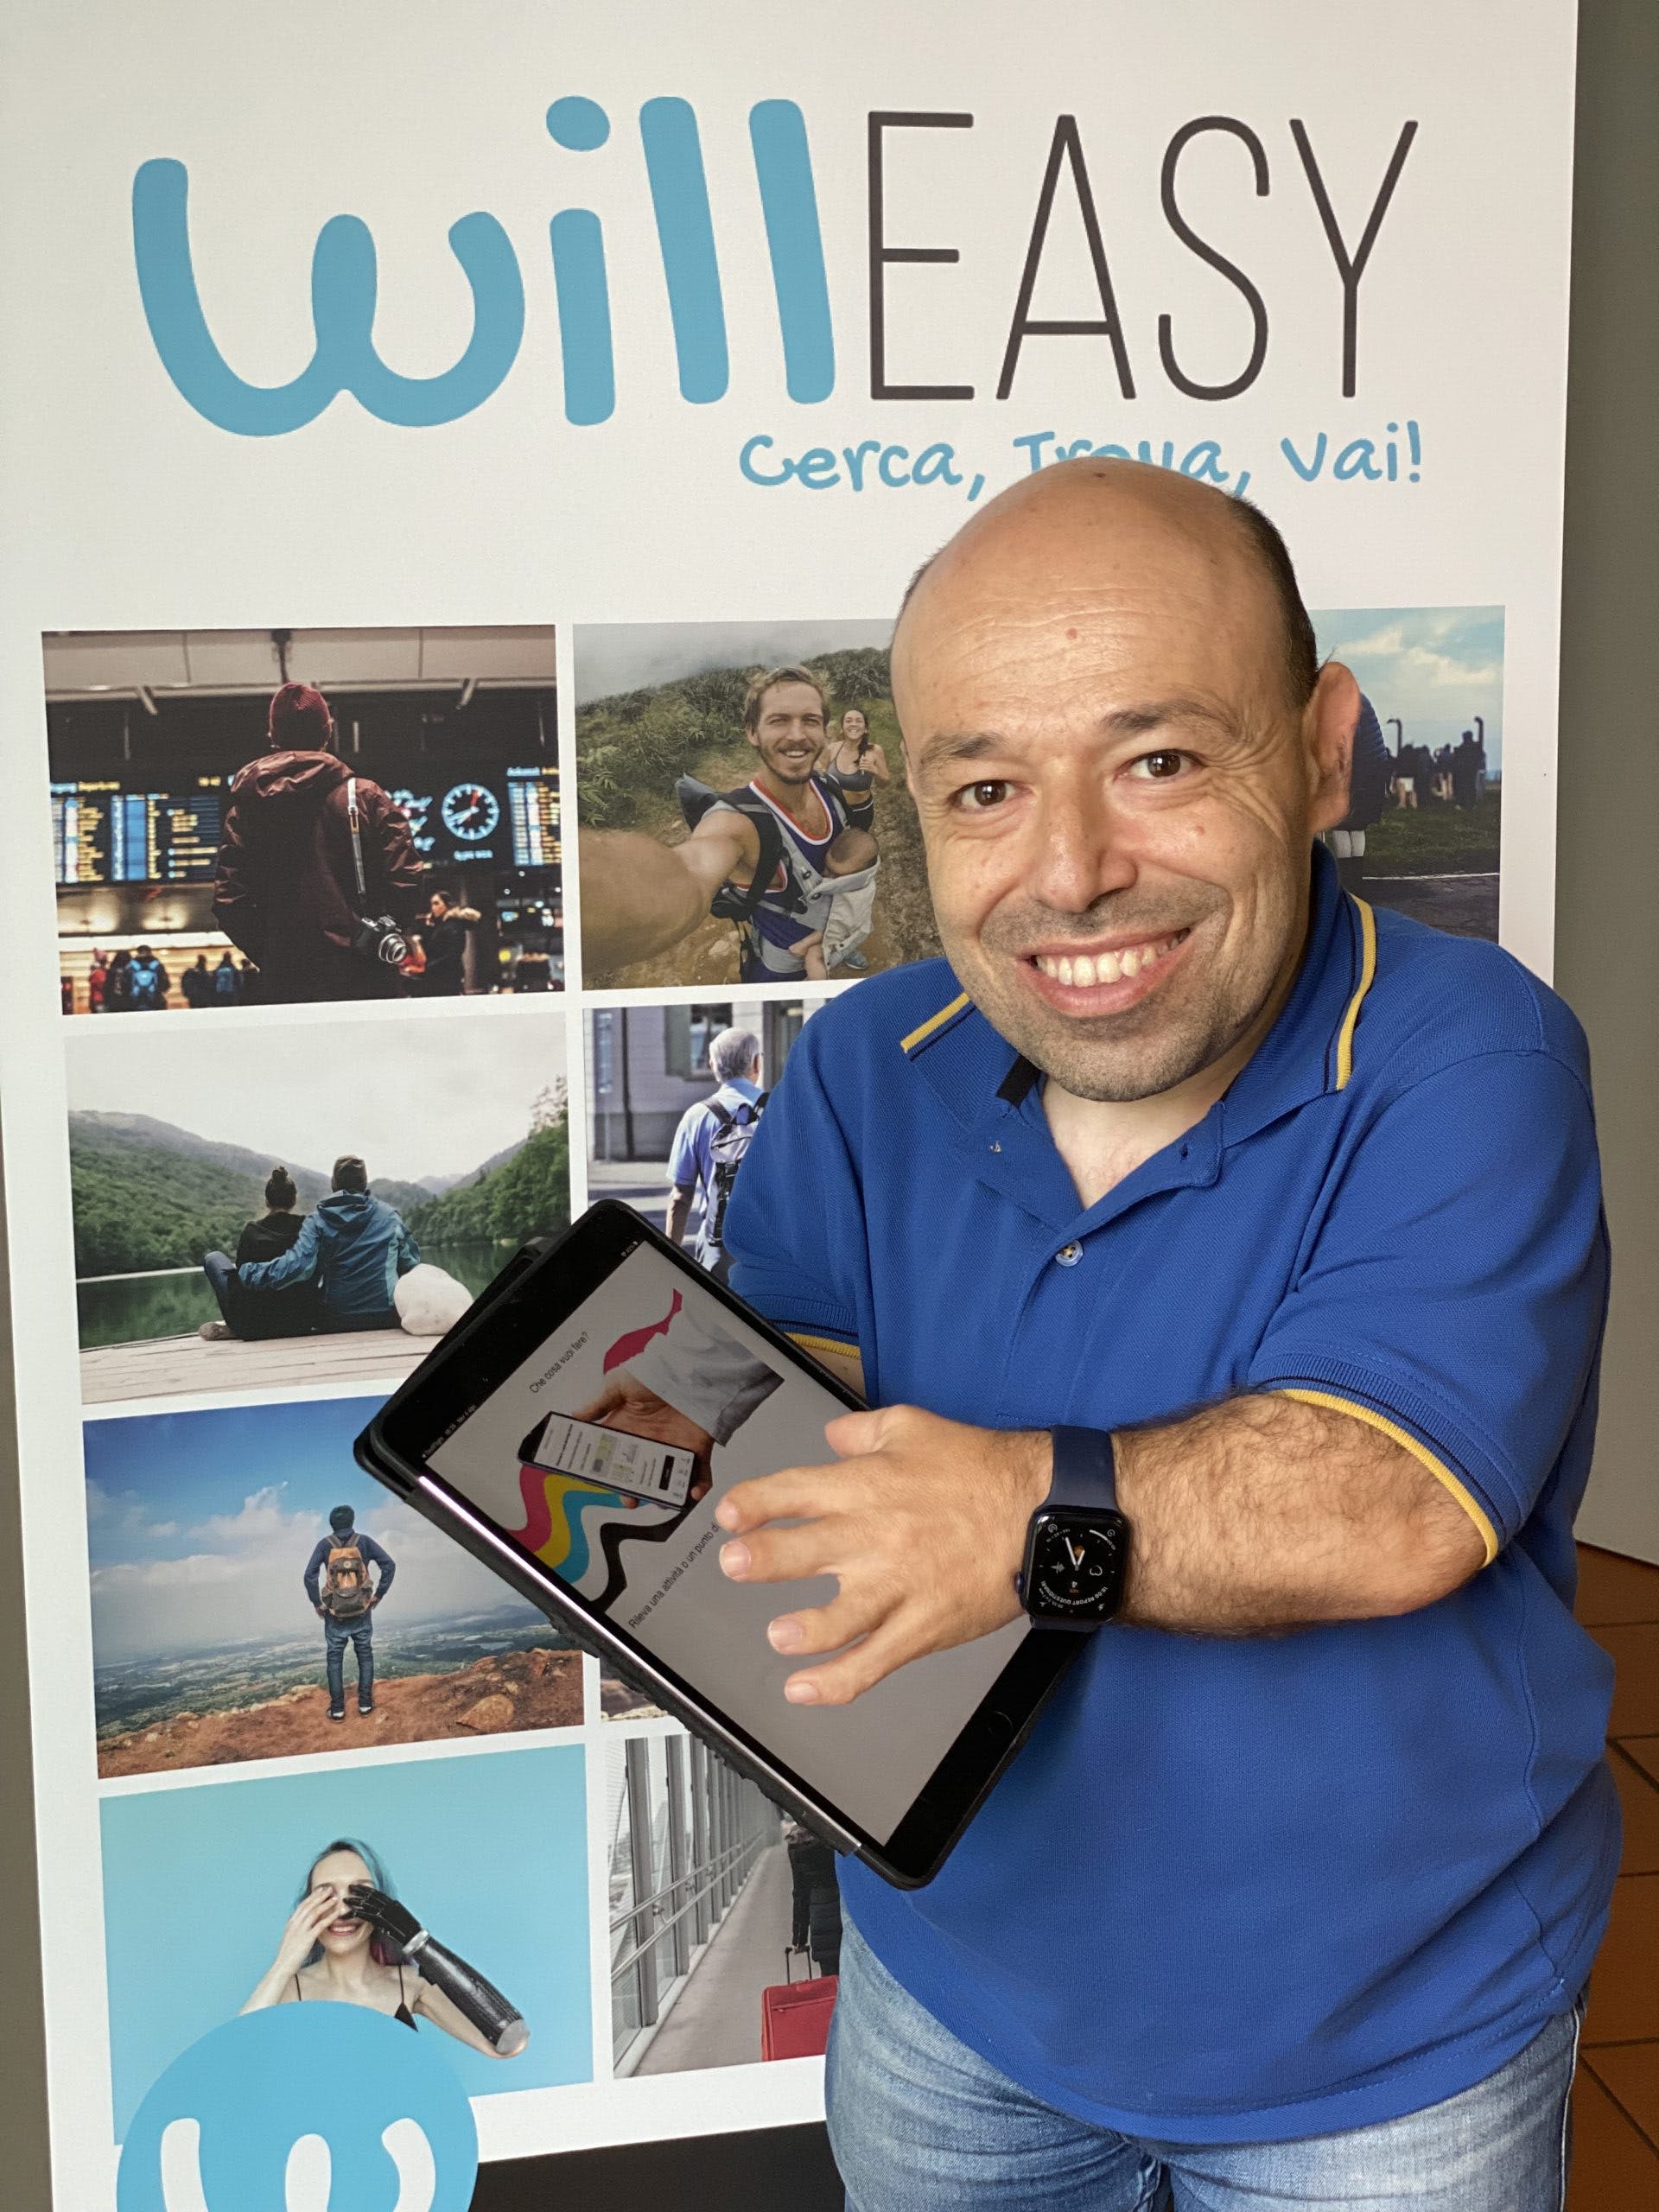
220 1271
336 1635
919 2123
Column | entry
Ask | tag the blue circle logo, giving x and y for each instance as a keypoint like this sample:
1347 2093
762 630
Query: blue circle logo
302 2108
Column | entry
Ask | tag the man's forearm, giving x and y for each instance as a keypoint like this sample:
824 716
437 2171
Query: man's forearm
1263 1514
679 1212
637 898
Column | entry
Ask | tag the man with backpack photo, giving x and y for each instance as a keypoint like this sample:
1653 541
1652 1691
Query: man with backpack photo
148 983
711 1142
337 1583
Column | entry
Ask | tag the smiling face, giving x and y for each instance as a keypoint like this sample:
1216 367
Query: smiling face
853 726
788 734
1116 792
342 1935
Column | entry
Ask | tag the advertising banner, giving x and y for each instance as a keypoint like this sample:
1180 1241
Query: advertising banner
420 427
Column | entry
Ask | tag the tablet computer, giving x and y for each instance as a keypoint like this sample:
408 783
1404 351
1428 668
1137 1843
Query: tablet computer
499 1438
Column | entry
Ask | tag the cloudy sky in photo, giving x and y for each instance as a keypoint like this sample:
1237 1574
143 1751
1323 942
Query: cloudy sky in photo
200 1524
612 657
1436 667
415 1098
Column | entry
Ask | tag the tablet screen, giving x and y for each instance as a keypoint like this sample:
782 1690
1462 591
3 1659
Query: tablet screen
652 1353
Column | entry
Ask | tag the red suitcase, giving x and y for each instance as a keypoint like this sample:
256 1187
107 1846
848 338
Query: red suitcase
795 2016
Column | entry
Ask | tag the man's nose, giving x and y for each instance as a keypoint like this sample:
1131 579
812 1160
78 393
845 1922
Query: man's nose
1080 850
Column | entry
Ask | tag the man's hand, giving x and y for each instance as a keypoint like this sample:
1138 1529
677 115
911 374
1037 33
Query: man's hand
639 897
923 1524
627 1405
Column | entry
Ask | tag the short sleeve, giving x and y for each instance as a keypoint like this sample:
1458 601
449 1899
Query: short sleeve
683 1160
795 1227
1455 1287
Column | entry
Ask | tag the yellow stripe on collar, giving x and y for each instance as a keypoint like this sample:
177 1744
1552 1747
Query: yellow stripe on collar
1367 977
923 1030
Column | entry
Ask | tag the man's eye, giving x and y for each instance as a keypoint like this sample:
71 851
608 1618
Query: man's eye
978 798
1159 767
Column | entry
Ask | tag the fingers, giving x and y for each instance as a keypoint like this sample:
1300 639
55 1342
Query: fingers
794 1493
827 1628
851 1435
856 1670
780 1554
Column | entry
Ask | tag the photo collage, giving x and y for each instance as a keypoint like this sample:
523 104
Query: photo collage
352 851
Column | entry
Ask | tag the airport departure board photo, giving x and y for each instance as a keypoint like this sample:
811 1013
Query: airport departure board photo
104 834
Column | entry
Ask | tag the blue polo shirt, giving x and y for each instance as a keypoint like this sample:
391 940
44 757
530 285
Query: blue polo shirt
1248 1890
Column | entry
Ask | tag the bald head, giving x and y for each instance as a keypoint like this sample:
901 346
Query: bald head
1121 747
1098 490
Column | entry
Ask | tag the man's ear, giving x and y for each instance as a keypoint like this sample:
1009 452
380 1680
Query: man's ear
1328 722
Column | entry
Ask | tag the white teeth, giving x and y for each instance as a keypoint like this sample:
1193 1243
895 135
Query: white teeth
1083 973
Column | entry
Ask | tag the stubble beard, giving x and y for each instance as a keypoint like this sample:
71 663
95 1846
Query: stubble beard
1169 1037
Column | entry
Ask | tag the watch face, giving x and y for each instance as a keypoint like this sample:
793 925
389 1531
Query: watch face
1075 1569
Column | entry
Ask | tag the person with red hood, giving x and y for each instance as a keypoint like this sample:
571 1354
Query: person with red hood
288 888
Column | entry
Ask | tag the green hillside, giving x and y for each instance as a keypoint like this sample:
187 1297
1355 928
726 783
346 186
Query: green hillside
147 1195
138 1207
529 1195
631 746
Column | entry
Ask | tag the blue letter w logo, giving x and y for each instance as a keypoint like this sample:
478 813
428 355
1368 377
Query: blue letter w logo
343 285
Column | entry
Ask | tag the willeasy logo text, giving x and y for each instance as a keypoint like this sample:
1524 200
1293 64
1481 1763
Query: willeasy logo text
684 255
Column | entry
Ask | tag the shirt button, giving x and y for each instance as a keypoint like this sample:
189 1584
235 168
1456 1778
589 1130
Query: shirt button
1069 1255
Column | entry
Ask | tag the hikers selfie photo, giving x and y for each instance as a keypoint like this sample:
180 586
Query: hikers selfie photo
744 824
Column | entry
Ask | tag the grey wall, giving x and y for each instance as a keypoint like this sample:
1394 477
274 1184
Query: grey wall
1607 915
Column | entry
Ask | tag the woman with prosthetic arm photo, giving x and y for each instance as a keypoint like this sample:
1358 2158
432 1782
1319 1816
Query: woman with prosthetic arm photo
350 1941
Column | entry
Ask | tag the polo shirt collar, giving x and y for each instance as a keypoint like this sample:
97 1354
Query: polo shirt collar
1309 1049
1307 1053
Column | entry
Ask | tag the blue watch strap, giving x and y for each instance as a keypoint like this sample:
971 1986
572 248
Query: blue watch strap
1085 1471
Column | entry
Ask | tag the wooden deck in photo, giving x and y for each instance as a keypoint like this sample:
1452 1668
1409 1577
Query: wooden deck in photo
168 1367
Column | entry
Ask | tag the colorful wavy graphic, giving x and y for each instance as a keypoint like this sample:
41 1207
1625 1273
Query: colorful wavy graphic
558 1507
555 1529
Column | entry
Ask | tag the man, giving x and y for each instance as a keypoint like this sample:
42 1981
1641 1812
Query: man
1292 1211
711 1143
227 984
308 852
1463 771
148 983
443 941
760 855
815 1899
354 1246
337 1583
1368 797
197 984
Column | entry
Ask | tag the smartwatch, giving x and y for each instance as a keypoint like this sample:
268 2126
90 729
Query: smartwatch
1077 1542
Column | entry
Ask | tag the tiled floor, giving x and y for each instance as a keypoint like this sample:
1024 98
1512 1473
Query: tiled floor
1615 2104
